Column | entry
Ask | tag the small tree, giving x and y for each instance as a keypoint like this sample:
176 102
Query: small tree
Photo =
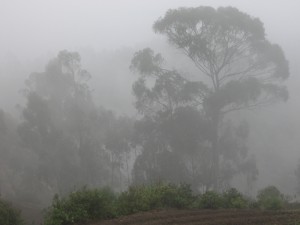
270 198
9 215
81 206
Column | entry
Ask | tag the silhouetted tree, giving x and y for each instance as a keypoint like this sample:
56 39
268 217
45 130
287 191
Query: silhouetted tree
61 125
238 69
297 174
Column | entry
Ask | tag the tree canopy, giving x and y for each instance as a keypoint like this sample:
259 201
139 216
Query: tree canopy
63 127
231 49
238 68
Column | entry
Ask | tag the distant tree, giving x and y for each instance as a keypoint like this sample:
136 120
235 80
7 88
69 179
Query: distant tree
117 141
61 125
271 198
297 174
238 69
3 126
8 145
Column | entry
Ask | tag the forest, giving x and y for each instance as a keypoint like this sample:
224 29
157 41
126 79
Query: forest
206 105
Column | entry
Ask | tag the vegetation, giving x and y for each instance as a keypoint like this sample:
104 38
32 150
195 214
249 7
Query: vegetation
81 206
234 199
270 198
144 198
9 215
183 133
87 205
237 68
211 200
63 139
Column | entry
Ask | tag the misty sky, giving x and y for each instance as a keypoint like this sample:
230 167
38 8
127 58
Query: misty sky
34 27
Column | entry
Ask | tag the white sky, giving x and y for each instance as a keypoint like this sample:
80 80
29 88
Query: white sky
34 29
30 28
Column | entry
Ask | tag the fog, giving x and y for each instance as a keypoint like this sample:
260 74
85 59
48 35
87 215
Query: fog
34 31
35 28
106 34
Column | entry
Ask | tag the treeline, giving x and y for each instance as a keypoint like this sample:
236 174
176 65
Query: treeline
184 131
63 140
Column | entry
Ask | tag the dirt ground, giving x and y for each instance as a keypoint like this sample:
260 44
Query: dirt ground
208 217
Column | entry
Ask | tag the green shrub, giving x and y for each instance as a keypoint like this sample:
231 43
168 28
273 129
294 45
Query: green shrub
174 196
81 206
270 198
9 215
234 199
211 200
137 198
144 198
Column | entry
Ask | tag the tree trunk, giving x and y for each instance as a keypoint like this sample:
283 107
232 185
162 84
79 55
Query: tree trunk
193 173
112 170
127 168
215 152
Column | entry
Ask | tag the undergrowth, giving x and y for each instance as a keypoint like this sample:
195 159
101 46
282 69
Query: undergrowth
87 205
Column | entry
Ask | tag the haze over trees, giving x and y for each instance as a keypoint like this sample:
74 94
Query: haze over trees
70 142
238 69
184 128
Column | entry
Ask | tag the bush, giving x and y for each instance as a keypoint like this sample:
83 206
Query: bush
177 196
234 199
144 198
270 198
9 215
211 200
81 206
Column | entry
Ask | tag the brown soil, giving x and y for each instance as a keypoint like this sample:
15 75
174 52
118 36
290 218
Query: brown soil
208 217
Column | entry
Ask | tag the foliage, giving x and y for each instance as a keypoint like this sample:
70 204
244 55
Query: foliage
270 198
81 206
234 199
238 69
211 200
150 167
86 205
143 198
74 141
230 199
95 204
9 215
